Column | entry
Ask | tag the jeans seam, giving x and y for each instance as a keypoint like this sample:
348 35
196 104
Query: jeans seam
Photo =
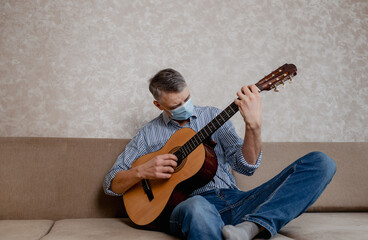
264 189
229 206
273 193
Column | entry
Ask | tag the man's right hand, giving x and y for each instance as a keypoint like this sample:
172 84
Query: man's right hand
159 167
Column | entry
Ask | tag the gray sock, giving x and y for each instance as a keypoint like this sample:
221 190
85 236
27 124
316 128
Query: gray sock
243 231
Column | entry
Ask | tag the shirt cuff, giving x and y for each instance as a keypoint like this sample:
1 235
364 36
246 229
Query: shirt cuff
107 183
244 167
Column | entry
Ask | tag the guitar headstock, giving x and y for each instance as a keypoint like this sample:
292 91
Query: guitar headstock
277 77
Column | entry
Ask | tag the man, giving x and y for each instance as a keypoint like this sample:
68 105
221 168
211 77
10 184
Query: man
219 209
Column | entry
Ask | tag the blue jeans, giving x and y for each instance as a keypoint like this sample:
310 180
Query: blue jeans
271 205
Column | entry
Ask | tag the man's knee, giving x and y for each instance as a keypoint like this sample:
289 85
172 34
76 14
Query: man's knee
322 163
196 206
196 214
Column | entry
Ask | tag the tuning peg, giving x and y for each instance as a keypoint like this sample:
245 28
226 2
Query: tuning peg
283 83
291 80
276 89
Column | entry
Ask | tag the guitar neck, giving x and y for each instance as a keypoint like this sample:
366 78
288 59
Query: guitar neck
267 83
207 131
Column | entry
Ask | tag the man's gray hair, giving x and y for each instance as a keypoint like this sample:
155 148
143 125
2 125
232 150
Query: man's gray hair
166 80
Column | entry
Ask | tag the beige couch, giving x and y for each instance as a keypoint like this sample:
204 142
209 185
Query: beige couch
51 188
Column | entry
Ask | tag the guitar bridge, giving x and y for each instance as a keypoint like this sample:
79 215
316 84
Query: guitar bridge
147 189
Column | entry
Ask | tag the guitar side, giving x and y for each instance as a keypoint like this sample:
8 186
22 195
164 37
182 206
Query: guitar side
140 209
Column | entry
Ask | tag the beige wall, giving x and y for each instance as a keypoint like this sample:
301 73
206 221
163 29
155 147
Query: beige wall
80 68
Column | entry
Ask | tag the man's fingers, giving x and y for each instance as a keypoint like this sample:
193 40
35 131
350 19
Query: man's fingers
254 89
241 95
164 172
245 90
164 175
169 163
173 163
168 170
166 160
169 156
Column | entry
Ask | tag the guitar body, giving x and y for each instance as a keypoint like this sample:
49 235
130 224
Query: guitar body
196 170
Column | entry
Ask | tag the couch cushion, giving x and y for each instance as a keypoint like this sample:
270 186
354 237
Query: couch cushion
24 229
325 226
57 178
100 228
107 228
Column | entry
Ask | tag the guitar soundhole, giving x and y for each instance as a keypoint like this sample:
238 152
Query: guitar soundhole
181 165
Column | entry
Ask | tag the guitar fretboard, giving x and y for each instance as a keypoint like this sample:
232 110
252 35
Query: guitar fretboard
206 132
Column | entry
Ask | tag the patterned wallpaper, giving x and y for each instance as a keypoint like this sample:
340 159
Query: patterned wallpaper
80 68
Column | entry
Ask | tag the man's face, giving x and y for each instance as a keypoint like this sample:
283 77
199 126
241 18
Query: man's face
170 100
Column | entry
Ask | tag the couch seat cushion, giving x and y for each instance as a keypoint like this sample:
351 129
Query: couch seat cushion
328 226
100 228
108 229
24 229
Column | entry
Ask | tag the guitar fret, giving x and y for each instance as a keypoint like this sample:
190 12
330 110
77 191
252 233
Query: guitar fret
182 153
209 129
200 134
191 144
223 120
194 144
217 122
186 152
204 135
206 130
227 113
197 141
225 116
234 107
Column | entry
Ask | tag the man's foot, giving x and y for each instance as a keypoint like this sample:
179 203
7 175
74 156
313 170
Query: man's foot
243 231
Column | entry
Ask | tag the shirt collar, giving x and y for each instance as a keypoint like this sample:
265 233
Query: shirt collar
167 119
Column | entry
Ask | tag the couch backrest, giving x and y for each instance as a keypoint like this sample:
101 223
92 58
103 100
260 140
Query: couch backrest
57 178
348 190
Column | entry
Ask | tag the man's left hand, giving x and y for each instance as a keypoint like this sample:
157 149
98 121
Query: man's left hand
250 106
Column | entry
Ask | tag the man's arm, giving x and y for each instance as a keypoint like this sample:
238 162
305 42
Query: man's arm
250 107
160 167
252 145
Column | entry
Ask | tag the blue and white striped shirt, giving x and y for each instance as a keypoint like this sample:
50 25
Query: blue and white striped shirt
153 136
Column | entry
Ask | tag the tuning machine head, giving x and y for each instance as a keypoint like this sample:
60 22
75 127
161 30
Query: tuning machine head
283 83
277 77
275 88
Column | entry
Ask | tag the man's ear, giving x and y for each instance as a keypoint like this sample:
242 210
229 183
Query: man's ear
157 104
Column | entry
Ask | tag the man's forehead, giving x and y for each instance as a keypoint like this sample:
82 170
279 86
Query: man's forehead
173 98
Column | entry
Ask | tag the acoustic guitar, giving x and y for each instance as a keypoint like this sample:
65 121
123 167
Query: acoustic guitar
150 202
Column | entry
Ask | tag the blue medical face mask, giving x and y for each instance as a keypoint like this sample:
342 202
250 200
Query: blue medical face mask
183 112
